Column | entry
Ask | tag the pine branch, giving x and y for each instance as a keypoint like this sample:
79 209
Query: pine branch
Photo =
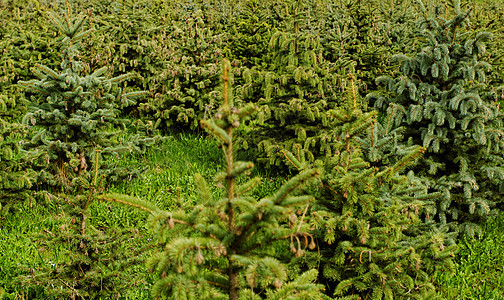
130 201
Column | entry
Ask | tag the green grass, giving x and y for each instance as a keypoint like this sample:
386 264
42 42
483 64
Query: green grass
168 182
480 266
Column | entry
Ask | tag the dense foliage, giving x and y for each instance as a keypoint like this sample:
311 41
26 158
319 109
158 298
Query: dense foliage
74 117
443 100
368 214
399 173
223 251
16 176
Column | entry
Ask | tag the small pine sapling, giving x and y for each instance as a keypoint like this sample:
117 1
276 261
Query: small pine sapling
221 248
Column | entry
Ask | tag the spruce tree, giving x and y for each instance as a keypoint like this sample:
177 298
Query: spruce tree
221 248
251 31
366 33
74 118
443 100
138 46
247 48
191 71
298 86
373 243
74 113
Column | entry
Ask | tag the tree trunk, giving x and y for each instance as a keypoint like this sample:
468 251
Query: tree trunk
234 284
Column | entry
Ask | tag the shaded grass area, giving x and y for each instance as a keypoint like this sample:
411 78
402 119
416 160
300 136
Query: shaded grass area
480 266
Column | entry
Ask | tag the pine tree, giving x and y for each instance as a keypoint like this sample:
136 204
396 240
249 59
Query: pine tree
221 247
191 71
442 99
373 243
74 113
298 86
75 123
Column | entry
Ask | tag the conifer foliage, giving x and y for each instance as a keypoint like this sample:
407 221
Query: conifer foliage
365 33
74 113
367 217
74 116
442 100
16 176
191 71
297 85
220 248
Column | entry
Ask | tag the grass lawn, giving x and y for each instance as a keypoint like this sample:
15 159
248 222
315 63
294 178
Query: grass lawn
480 266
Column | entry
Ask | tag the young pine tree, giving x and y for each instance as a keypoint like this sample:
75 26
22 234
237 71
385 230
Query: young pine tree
75 119
442 101
74 113
373 243
221 248
298 86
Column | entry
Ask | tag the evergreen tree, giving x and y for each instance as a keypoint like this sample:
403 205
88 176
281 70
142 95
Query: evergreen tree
298 86
365 33
191 71
74 117
138 46
372 241
251 33
442 100
74 113
222 247
247 48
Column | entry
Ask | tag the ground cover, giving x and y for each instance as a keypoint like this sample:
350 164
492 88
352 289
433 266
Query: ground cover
169 171
480 271
167 181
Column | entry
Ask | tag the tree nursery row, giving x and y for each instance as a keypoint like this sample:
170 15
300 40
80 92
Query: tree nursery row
383 116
